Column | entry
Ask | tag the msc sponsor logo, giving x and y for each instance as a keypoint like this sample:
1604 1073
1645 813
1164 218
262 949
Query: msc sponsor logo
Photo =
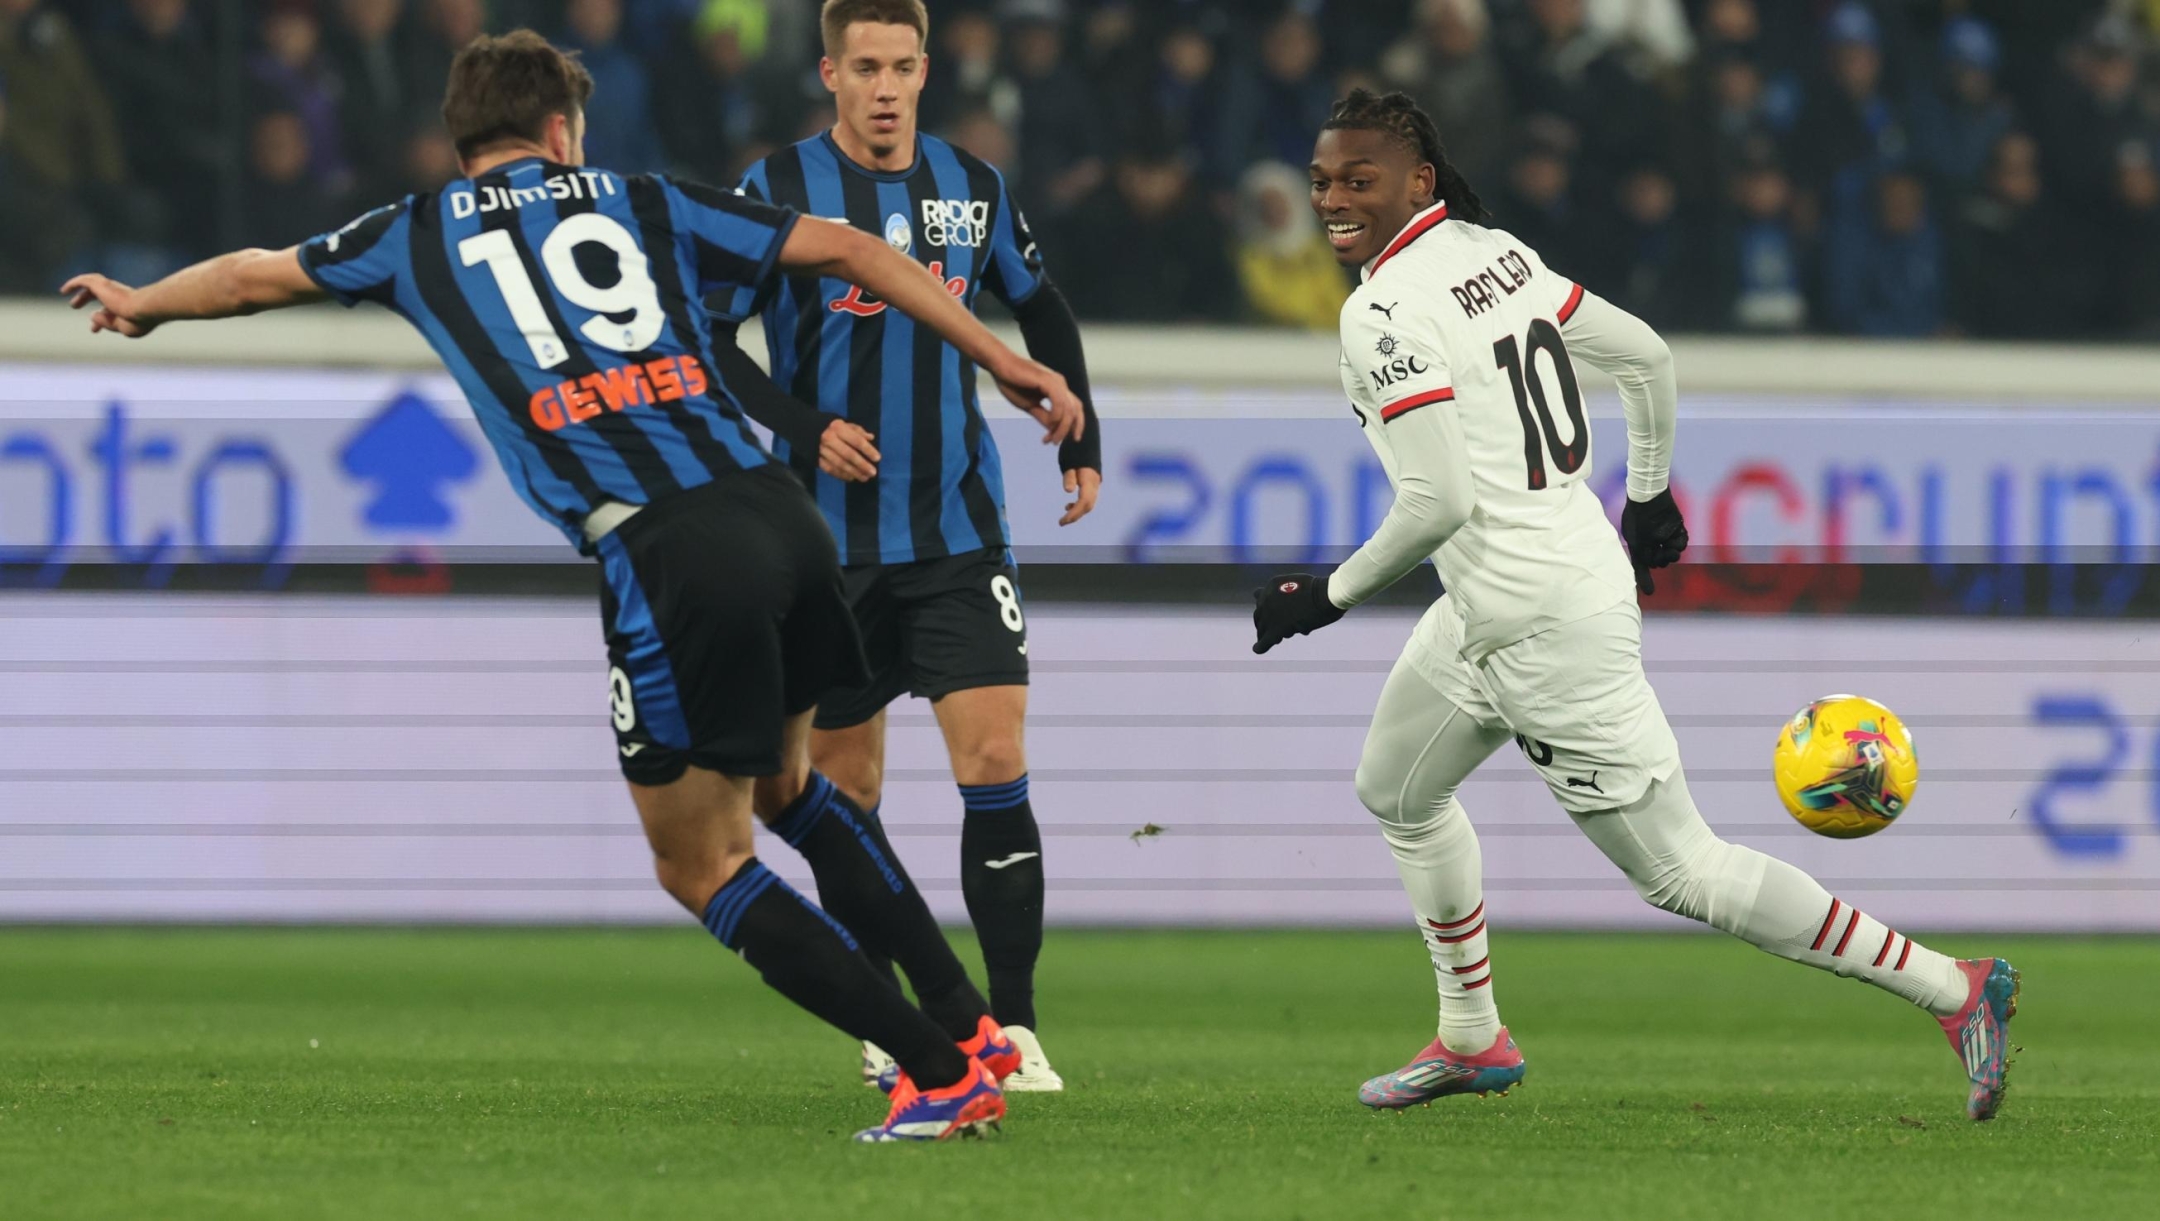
1401 368
665 380
956 222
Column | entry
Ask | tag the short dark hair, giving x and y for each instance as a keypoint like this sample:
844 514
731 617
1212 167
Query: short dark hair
840 14
507 88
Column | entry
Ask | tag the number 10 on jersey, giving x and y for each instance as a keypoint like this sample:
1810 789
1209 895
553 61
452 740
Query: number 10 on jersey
1520 361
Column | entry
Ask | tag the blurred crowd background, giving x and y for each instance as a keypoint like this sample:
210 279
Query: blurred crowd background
1894 167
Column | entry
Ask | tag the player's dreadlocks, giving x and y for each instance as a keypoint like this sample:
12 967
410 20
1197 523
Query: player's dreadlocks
1400 118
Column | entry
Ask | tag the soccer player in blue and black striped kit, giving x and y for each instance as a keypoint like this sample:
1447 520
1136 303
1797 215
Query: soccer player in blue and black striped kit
565 302
879 418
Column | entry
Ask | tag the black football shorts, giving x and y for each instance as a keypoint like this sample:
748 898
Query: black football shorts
725 615
930 628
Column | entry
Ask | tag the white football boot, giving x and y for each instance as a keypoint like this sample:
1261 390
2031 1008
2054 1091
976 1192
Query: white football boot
876 1064
1035 1075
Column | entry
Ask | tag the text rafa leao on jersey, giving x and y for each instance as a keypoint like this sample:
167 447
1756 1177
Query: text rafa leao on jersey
1476 295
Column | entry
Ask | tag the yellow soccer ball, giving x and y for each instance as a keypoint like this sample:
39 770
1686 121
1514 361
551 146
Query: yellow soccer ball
1845 766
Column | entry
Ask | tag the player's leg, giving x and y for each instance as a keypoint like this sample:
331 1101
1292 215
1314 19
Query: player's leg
1001 872
1431 729
1421 747
847 744
966 640
700 831
861 881
1582 697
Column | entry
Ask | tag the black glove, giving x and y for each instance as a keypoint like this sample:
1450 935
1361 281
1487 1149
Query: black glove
1291 605
1654 534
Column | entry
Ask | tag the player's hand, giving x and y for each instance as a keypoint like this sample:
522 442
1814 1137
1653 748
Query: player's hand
845 452
1083 484
1654 534
115 302
1041 392
1291 605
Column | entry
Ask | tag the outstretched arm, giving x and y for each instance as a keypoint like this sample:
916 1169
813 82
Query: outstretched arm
824 248
228 286
1434 496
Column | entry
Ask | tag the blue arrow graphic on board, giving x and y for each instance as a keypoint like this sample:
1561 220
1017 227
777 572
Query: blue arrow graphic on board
411 457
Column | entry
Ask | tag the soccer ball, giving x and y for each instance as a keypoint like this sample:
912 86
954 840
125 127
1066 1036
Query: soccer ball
1845 766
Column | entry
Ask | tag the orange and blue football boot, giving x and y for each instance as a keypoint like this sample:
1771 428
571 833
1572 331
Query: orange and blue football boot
971 1106
997 1053
1980 1032
1438 1072
992 1048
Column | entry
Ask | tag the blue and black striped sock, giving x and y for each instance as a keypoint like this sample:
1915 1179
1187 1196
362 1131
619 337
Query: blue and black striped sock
1001 876
861 881
806 956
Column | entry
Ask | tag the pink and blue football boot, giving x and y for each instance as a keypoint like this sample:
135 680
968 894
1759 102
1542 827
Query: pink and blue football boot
1438 1072
971 1106
1980 1032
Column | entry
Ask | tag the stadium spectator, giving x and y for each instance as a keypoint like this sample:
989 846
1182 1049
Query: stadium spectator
155 61
1536 203
1448 64
1644 262
1850 129
2133 244
618 133
445 26
1732 113
1883 265
1284 264
2013 277
2094 113
1651 36
375 69
293 77
1185 102
983 135
1274 108
1761 257
967 73
1147 248
63 151
1119 67
430 159
20 262
1960 113
1558 65
713 115
1060 128
285 202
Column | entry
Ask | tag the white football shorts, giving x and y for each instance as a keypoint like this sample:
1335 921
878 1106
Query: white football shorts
1574 695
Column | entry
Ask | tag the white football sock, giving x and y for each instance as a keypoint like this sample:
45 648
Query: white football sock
1443 872
1677 863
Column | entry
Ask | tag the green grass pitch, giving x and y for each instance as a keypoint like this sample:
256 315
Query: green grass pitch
629 1074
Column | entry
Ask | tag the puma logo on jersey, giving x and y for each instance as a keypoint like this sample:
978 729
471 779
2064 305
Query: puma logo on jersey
1378 308
1577 782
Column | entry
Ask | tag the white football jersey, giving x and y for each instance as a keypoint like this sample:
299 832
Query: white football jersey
1455 317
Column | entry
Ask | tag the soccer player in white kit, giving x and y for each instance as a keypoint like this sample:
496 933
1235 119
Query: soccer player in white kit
1456 356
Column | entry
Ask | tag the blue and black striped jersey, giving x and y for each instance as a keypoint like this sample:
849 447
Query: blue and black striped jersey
939 489
565 302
